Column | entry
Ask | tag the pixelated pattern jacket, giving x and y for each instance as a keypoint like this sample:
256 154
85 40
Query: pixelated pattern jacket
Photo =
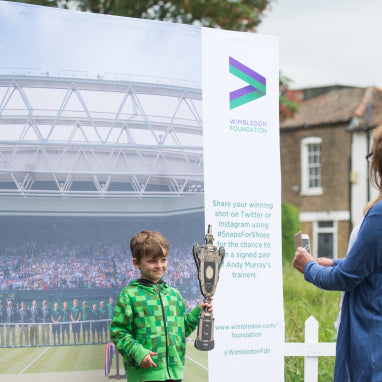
152 317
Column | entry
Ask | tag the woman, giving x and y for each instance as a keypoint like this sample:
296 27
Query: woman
359 342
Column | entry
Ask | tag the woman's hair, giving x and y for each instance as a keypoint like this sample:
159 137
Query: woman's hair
375 173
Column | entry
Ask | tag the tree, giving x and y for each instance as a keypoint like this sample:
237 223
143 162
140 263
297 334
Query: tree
290 221
238 15
287 108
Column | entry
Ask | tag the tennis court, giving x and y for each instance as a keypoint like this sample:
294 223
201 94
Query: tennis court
77 363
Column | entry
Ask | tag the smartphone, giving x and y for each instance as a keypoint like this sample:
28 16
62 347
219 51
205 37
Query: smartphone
302 240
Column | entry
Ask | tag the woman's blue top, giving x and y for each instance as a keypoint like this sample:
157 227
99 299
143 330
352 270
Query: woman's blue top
359 342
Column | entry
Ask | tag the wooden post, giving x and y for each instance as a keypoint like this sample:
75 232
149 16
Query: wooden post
311 362
311 349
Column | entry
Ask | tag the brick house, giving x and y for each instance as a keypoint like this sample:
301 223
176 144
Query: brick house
323 166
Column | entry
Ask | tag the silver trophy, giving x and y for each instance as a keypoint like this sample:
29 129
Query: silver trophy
208 261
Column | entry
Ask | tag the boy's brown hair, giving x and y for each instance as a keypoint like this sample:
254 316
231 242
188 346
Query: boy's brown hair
149 243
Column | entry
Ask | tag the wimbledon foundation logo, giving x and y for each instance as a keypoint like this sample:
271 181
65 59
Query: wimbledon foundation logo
255 89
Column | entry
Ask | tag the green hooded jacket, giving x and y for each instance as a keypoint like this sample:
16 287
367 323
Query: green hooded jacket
152 317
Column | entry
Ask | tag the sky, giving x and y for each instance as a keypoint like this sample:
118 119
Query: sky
35 40
328 42
322 42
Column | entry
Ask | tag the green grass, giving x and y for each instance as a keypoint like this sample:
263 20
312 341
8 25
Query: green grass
82 358
192 371
56 359
12 361
70 358
301 300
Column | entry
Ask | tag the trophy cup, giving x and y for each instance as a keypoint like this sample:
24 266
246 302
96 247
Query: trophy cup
208 261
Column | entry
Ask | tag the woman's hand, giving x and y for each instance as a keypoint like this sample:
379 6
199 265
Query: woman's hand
301 258
324 261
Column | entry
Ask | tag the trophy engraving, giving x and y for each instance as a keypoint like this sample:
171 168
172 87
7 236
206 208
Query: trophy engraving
208 261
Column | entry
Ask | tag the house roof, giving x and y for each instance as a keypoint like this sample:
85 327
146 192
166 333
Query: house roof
346 105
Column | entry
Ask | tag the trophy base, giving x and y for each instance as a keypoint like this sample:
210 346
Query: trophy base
204 345
205 335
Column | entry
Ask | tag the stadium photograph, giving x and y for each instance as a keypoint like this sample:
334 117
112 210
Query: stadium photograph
91 153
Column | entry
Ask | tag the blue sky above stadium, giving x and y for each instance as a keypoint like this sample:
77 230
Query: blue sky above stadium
55 41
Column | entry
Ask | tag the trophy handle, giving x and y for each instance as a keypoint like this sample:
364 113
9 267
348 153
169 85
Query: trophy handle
221 255
195 252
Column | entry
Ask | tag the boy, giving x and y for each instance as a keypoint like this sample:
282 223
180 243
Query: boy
150 325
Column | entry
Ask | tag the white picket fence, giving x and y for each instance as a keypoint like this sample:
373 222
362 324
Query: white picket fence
311 349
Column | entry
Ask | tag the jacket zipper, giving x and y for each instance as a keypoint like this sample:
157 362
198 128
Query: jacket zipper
165 330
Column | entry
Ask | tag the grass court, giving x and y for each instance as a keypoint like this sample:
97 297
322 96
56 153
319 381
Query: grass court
77 363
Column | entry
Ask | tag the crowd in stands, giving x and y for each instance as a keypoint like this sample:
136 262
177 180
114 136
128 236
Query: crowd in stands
71 267
46 255
65 267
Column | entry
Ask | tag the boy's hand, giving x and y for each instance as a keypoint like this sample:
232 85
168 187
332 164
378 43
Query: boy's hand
324 261
301 258
147 361
207 305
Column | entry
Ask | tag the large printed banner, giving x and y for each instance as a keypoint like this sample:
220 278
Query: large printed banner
112 117
242 202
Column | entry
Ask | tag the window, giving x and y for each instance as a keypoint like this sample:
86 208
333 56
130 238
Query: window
311 166
326 237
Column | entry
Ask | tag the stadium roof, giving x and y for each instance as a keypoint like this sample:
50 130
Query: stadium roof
75 137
